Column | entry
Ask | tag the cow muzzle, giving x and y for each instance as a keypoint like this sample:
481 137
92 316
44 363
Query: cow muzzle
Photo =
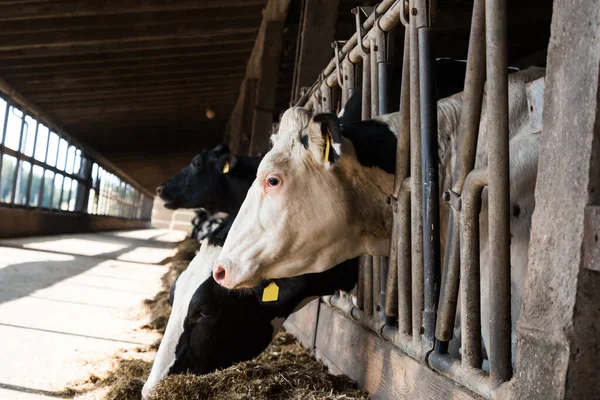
234 276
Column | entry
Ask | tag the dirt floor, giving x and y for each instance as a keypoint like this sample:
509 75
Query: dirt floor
285 370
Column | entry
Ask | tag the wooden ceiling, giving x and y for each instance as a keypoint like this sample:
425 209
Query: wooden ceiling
133 78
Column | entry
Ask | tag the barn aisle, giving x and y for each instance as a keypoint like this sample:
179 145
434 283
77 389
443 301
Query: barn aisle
68 301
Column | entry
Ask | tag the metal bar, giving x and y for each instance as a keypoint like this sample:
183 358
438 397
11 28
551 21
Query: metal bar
468 130
360 287
376 262
35 161
367 262
374 79
327 100
430 171
416 184
366 87
498 191
473 379
470 301
384 45
349 76
404 263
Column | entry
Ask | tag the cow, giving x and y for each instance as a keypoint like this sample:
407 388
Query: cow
211 327
321 194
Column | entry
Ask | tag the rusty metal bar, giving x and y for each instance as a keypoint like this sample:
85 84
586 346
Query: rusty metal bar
473 379
416 183
374 79
468 130
498 191
349 76
367 262
398 303
327 100
366 68
430 171
376 262
470 299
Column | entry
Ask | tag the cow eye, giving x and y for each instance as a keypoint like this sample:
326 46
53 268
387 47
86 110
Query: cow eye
206 312
272 181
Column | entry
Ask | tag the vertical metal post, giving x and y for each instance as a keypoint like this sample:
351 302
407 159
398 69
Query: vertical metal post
349 76
470 299
374 79
367 262
431 205
327 100
468 131
385 69
416 182
398 299
498 191
366 67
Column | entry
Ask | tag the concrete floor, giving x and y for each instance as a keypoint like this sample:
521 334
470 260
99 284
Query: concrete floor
69 301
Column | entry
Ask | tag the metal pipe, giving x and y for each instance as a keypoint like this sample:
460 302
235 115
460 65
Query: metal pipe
385 67
404 263
376 261
360 286
416 184
327 100
473 379
468 130
366 87
430 171
367 262
498 191
349 76
374 79
398 286
470 302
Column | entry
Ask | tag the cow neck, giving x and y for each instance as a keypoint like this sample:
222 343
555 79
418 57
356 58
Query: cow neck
372 181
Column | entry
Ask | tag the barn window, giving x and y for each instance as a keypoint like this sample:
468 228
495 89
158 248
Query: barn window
41 167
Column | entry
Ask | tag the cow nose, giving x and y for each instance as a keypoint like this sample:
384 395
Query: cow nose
160 189
219 274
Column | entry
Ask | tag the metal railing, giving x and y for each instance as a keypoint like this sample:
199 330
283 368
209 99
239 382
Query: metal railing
418 305
43 168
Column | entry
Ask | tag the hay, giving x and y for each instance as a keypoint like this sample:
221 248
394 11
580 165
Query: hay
284 370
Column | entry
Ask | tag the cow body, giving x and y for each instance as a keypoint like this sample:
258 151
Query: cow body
311 208
211 327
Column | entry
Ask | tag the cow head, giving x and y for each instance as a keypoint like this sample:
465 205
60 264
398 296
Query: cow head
203 183
209 326
310 207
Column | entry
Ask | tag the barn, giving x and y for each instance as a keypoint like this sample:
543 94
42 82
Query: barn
411 185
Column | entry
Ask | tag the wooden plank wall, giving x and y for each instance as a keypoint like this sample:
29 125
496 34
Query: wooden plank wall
346 347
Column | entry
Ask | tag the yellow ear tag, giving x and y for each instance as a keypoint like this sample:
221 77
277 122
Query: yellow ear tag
226 167
327 146
270 293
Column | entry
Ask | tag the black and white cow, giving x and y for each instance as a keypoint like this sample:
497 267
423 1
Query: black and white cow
211 327
320 196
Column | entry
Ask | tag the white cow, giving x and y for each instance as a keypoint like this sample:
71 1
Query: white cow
313 205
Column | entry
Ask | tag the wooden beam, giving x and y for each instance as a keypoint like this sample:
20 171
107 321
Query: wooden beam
142 81
314 42
270 61
175 47
91 79
258 85
77 8
118 21
559 346
207 31
376 364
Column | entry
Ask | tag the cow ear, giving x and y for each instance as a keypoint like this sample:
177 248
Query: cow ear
324 139
226 162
